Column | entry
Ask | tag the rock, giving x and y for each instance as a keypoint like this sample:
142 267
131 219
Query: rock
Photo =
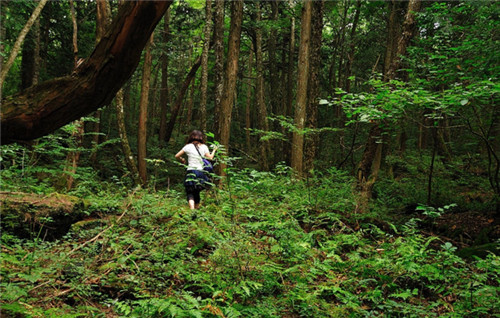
29 215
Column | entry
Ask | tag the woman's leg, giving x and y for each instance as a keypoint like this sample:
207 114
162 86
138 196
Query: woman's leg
197 199
191 197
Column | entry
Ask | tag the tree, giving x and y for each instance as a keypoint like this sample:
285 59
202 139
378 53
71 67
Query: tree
103 13
143 114
231 72
204 64
352 48
122 132
164 91
248 103
369 166
219 62
47 106
30 63
290 82
302 80
312 140
77 135
259 87
180 97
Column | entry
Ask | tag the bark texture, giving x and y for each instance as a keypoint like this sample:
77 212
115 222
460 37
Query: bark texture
261 102
231 72
219 60
312 140
143 114
204 65
164 91
302 81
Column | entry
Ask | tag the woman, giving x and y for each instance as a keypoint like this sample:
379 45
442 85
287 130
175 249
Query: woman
195 181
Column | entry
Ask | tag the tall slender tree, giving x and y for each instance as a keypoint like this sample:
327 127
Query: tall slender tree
164 90
312 140
143 114
302 81
30 63
352 48
259 87
207 29
122 132
219 61
73 155
248 103
176 107
290 81
231 72
103 12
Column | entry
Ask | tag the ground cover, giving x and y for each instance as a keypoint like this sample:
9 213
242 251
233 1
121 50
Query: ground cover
266 246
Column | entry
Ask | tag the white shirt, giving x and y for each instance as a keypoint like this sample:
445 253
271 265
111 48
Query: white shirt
194 159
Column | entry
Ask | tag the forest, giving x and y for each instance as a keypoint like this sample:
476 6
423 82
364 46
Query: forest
357 162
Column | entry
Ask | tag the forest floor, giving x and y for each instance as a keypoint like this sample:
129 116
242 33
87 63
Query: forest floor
265 247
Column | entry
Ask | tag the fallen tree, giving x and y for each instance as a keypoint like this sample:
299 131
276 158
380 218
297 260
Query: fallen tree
41 109
29 215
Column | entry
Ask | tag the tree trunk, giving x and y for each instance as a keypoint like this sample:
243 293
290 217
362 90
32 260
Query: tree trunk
164 90
207 29
261 103
302 83
219 62
74 155
391 35
143 114
248 104
43 108
77 136
189 115
290 87
30 63
103 13
122 131
178 101
275 91
370 163
231 72
312 140
19 42
341 43
3 4
409 28
352 48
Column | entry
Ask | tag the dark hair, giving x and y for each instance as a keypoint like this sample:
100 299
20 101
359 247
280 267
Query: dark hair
196 135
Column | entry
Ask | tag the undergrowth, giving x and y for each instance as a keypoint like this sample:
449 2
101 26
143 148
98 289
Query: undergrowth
266 246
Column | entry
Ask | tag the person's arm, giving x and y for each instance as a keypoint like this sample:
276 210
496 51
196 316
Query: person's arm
209 155
179 156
